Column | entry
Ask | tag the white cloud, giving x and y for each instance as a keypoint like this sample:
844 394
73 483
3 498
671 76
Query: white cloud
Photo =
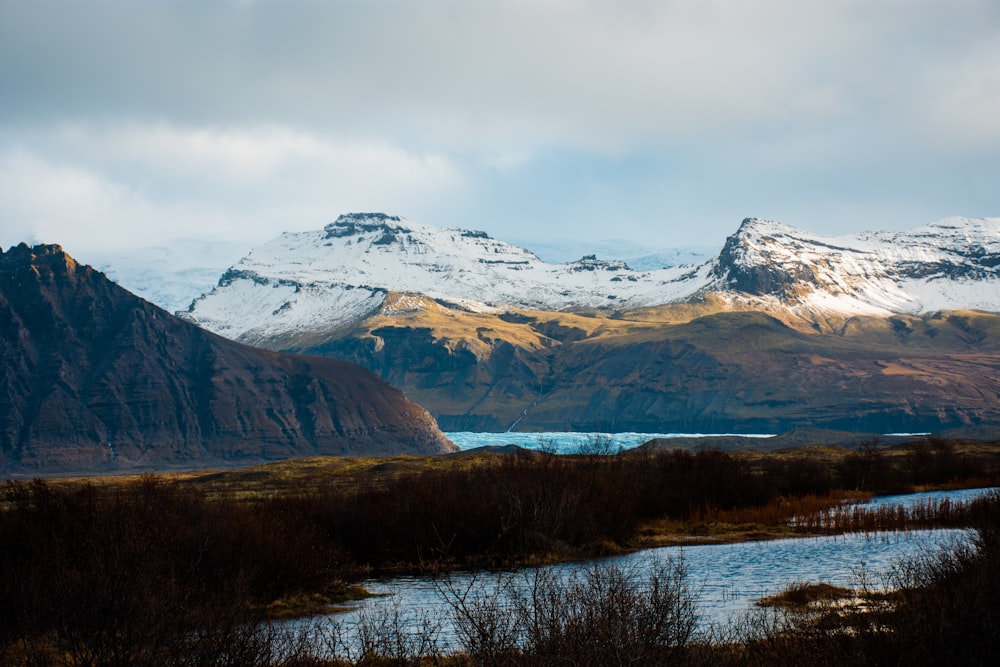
237 155
495 77
135 184
47 202
247 155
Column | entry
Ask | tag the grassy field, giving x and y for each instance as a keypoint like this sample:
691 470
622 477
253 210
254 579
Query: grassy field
778 484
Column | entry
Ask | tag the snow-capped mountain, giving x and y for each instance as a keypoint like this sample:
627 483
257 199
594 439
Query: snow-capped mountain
953 263
331 278
325 279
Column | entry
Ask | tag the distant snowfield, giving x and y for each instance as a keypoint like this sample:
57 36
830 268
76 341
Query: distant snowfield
172 275
639 256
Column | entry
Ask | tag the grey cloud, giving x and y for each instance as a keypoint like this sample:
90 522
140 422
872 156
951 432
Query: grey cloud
576 73
669 109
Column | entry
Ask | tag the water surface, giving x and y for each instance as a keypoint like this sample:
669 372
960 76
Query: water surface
726 579
571 442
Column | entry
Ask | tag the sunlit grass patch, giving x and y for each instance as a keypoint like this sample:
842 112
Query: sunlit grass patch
804 595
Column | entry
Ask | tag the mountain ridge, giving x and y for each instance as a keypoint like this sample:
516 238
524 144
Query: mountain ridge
310 281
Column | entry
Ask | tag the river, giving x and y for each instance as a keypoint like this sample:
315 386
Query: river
726 579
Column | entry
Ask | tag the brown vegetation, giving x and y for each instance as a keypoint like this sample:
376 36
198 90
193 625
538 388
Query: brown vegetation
146 574
803 596
185 571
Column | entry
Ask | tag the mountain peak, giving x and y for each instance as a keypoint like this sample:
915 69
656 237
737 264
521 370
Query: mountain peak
751 227
591 263
47 264
374 218
342 273
753 259
359 224
23 252
356 224
952 263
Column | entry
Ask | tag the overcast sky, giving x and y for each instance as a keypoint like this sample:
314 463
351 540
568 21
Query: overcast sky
664 121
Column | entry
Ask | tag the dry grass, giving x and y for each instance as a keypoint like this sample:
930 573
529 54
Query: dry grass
293 476
774 520
802 596
344 475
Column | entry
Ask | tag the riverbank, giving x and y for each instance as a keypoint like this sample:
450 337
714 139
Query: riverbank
514 507
910 592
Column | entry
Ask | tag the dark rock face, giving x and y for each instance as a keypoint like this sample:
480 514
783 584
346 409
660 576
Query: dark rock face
749 277
92 377
353 224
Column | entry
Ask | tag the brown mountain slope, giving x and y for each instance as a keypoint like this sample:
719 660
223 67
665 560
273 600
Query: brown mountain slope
93 377
684 369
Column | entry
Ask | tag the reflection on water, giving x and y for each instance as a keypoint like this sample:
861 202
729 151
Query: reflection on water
726 578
